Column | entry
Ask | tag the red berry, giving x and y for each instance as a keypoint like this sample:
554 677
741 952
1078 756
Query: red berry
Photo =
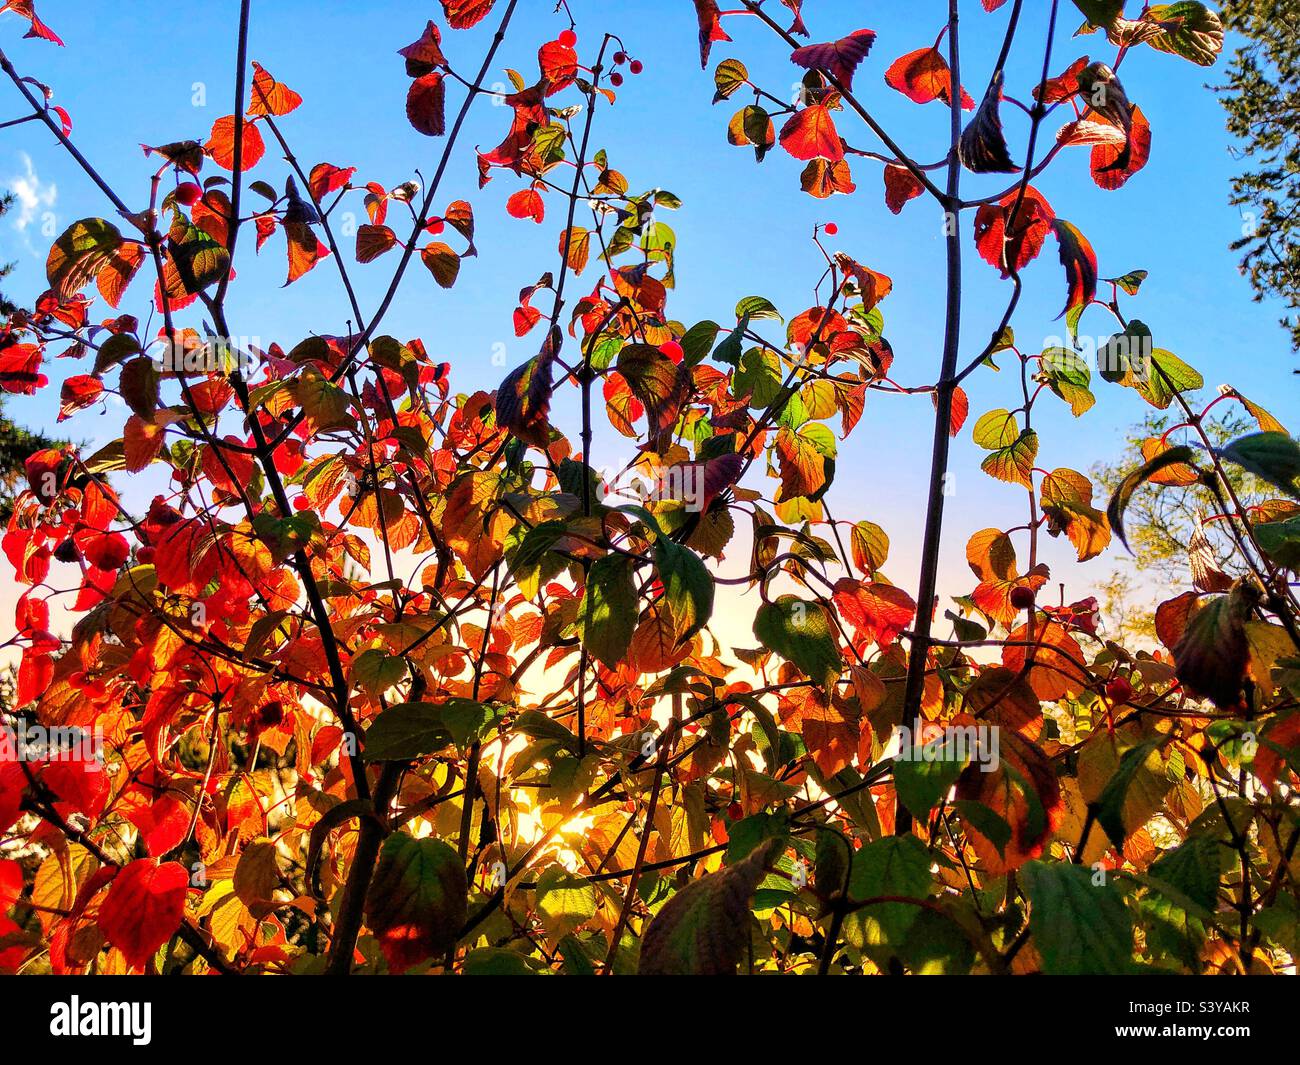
620 58
300 503
673 350
616 79
568 38
1022 597
831 229
637 66
188 193
434 226
1119 690
145 555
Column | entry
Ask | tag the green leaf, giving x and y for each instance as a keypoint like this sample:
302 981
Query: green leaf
1079 928
1190 30
116 349
1194 868
1110 806
1273 457
988 823
324 403
564 900
729 351
1068 376
730 76
747 834
1166 376
698 341
80 252
756 308
897 866
996 430
688 587
200 260
1124 493
703 929
936 946
406 731
1100 13
497 961
1130 282
924 775
1280 540
375 671
799 631
418 900
1126 354
1212 654
609 609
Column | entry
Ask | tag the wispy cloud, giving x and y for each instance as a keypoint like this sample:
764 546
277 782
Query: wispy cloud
32 197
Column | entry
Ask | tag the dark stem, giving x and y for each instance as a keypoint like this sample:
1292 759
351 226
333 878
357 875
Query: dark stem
932 540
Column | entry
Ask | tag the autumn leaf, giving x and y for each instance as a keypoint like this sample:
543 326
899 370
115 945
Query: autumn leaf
923 76
143 908
221 144
270 97
811 134
841 58
426 105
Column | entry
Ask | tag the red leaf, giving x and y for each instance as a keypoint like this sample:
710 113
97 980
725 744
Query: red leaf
425 54
462 14
27 9
221 144
1080 263
1067 85
840 57
960 409
559 65
811 134
78 392
20 366
901 185
426 105
923 76
143 908
710 18
527 203
878 612
326 178
1108 169
1008 243
525 318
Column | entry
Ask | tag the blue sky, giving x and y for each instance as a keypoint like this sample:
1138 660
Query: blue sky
128 74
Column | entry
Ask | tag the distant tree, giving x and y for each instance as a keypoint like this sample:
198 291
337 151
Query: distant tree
1262 98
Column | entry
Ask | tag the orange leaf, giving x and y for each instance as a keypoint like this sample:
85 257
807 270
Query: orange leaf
811 134
270 97
923 76
221 145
